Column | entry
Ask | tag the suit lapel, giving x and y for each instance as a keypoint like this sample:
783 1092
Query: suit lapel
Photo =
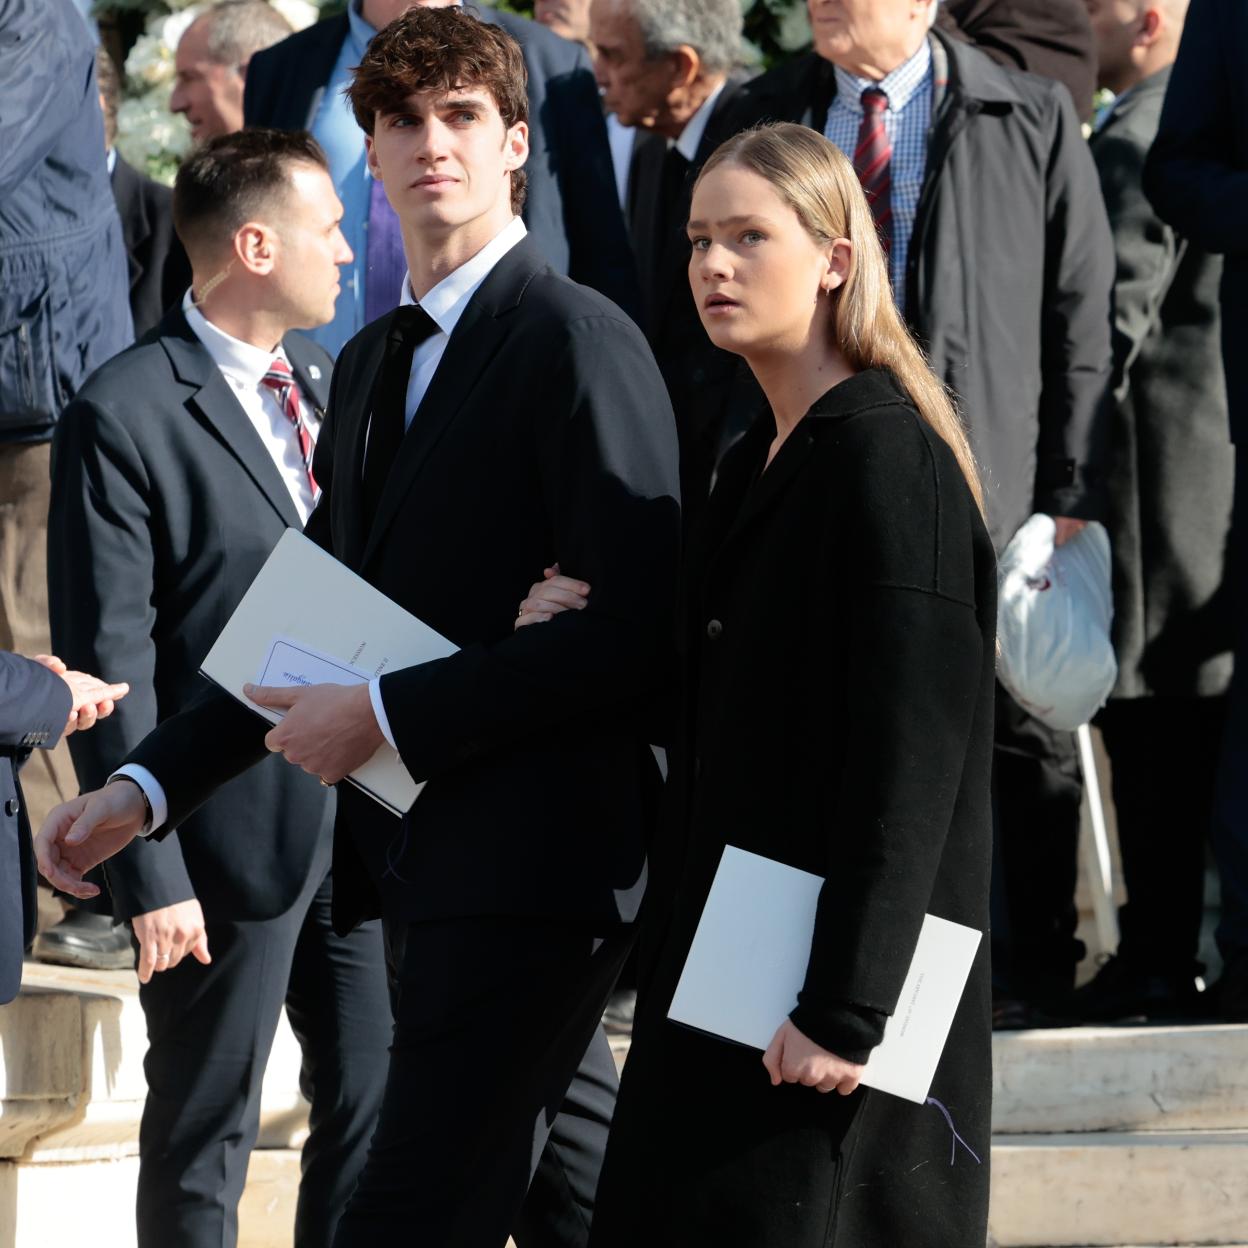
209 396
478 335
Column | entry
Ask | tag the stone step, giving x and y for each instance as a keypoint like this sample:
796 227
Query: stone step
71 1070
1106 1189
1121 1079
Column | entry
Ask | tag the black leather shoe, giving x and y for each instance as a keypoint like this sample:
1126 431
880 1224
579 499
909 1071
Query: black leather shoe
1123 992
87 940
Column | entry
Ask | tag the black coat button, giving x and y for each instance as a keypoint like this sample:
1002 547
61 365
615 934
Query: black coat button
11 807
714 630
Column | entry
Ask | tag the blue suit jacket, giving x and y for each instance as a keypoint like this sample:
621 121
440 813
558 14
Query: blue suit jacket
571 208
64 283
34 705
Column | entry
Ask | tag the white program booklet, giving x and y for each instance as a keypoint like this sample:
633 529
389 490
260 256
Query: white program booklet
748 962
307 620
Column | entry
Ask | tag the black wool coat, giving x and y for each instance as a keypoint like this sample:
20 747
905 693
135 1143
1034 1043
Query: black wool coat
839 645
1173 467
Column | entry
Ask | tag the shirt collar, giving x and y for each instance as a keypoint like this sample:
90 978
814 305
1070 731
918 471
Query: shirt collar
446 302
899 85
238 360
691 136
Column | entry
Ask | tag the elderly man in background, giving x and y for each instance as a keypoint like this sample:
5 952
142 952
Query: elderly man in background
1171 485
212 59
988 204
670 68
1197 180
571 207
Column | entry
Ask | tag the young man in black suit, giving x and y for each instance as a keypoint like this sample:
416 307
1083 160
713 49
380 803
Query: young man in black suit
508 421
175 471
571 208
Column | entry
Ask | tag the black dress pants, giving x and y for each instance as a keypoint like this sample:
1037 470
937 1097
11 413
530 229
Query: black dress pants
210 1030
500 1090
1037 789
1164 755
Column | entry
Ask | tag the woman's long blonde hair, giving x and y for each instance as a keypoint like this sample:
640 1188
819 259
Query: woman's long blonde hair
813 177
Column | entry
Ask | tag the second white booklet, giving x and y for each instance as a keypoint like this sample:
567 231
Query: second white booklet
308 619
748 960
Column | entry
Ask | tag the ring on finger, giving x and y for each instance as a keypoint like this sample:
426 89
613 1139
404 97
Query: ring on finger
162 957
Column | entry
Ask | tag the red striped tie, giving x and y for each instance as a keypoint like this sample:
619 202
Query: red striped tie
873 161
281 381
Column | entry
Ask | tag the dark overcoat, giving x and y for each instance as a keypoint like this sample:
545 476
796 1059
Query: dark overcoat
1195 171
839 644
1173 465
1008 275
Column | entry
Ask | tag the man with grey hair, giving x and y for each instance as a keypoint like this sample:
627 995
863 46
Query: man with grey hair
670 68
212 59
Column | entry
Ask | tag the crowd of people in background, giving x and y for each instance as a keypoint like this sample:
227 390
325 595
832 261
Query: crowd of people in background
1057 187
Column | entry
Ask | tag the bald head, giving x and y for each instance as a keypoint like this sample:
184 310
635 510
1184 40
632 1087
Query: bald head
1135 38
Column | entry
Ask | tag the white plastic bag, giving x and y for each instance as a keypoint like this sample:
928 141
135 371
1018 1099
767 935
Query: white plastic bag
1054 611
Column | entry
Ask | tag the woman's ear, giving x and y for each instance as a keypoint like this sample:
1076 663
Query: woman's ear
840 255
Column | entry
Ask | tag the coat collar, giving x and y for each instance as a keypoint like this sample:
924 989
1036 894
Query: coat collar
209 396
1130 101
478 335
742 496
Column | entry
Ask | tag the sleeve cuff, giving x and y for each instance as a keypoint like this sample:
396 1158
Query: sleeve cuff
849 1031
374 696
152 789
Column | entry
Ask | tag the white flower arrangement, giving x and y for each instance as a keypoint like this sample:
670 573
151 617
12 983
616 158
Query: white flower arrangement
149 136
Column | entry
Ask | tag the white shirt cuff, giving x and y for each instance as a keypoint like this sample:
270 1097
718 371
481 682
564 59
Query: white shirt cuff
374 696
152 788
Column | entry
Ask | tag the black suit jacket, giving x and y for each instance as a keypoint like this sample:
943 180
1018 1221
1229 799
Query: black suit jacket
545 435
165 503
159 269
1197 170
34 705
571 208
713 393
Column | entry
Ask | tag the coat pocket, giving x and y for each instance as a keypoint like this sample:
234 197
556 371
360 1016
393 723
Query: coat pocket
30 393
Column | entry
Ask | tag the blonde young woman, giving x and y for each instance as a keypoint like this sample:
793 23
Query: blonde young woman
838 641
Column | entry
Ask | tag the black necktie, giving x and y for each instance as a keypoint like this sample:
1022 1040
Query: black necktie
410 326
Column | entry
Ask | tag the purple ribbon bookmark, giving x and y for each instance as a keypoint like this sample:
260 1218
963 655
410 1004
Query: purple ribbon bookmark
957 1139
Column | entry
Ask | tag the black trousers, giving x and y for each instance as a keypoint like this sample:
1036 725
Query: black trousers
500 1090
1037 788
210 1030
1164 754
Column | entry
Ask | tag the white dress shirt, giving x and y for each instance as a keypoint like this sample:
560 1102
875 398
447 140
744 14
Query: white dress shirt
691 136
243 366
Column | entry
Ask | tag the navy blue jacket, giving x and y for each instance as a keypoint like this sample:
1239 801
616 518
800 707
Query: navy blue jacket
64 288
34 707
571 206
1197 171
